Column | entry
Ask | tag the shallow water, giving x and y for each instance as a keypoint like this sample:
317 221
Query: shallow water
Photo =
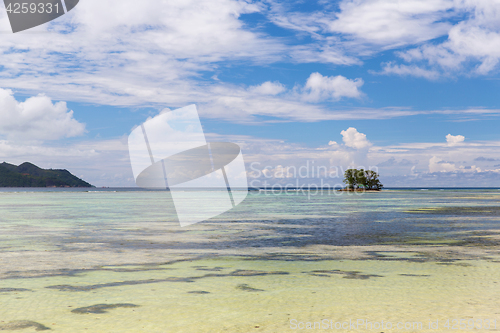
76 261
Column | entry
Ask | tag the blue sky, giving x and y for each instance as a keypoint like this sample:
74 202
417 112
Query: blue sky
408 87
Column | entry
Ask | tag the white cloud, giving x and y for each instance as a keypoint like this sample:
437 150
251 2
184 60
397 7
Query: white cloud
357 28
413 70
454 140
472 46
106 162
37 118
353 139
127 53
392 23
437 165
323 51
320 88
409 164
124 52
268 88
368 26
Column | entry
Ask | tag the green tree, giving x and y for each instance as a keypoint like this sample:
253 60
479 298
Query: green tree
366 179
361 178
350 178
372 181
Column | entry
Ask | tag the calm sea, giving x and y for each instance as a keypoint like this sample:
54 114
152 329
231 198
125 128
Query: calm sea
116 260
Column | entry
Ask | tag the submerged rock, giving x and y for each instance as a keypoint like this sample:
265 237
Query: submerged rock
22 324
101 308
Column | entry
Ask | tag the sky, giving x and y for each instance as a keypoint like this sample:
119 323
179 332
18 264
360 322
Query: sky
407 88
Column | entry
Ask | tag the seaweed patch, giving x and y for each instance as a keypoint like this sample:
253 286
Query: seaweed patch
205 268
462 264
346 274
450 210
201 292
244 272
356 275
22 324
289 257
67 287
81 272
10 290
102 308
246 287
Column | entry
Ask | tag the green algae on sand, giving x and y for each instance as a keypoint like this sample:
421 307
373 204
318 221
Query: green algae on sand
199 292
13 290
21 325
246 287
101 308
355 275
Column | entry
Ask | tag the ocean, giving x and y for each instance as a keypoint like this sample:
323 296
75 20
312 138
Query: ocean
116 260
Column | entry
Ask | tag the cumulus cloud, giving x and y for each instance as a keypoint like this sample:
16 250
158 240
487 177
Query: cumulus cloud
37 118
405 164
129 53
353 139
320 88
472 44
268 88
454 140
438 165
126 53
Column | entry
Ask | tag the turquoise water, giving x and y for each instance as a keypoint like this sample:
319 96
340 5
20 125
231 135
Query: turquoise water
118 261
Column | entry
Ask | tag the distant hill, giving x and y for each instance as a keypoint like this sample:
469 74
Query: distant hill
29 175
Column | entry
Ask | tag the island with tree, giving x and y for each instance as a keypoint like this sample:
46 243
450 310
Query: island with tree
29 175
361 180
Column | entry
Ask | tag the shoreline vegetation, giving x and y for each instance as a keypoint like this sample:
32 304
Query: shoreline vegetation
30 175
361 181
359 190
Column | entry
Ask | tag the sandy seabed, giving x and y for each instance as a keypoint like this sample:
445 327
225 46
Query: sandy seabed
107 273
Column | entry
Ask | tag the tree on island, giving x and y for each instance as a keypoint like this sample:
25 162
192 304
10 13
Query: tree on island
362 179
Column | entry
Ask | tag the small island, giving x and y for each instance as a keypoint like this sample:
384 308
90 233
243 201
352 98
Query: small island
30 175
361 180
